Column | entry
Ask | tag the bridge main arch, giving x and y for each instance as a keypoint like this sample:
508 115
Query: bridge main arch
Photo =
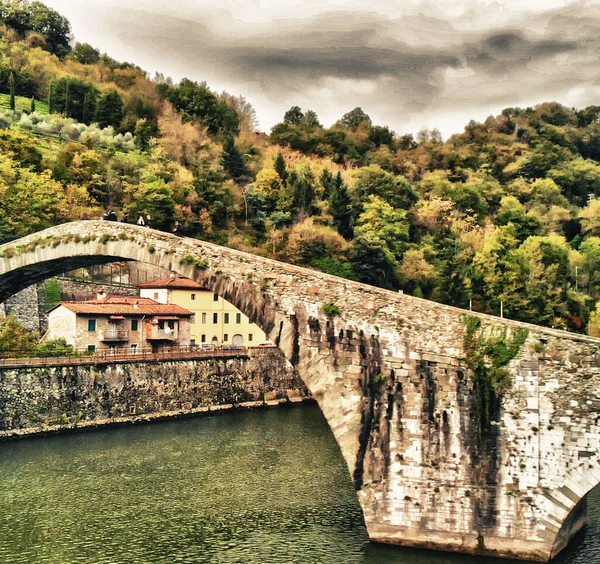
389 376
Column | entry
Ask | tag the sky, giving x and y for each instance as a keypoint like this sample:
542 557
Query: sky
408 63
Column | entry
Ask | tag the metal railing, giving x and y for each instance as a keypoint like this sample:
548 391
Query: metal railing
122 355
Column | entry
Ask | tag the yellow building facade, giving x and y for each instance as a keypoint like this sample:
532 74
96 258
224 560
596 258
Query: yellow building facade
214 321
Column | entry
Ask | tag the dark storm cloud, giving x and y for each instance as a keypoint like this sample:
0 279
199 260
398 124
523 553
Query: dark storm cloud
420 63
506 51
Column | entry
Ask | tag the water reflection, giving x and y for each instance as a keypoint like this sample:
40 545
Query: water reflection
247 487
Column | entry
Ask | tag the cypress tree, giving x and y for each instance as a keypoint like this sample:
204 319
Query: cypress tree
280 167
232 160
32 108
50 100
67 99
340 204
11 85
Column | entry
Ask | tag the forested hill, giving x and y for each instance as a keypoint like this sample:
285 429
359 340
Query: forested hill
506 211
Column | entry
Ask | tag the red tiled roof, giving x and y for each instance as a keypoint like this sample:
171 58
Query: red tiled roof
178 282
125 305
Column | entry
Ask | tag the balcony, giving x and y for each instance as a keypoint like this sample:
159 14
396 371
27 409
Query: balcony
114 335
165 334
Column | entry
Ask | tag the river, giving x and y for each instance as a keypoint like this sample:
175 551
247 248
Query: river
262 486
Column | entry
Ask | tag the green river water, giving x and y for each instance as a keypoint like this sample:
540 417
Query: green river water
262 486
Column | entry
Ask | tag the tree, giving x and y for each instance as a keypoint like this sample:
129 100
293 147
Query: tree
109 109
196 103
85 54
32 107
374 181
153 197
30 201
380 221
232 160
268 184
340 205
14 338
24 16
74 98
280 167
293 116
590 218
372 263
311 119
353 118
415 272
11 84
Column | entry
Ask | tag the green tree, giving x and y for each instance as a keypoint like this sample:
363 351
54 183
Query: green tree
340 205
380 221
14 338
353 118
11 85
232 160
280 167
153 197
24 16
372 263
85 54
311 119
293 116
32 106
30 201
74 98
109 109
374 181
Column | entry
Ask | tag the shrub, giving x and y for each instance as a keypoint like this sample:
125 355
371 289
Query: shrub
330 308
189 259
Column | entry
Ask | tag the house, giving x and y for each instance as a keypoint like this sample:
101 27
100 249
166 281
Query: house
215 320
109 322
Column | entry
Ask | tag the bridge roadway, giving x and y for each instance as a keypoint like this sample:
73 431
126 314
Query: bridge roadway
390 376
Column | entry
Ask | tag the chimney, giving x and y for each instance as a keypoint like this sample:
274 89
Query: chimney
101 294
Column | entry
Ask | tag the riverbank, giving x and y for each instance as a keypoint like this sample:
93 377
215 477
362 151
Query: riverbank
81 426
38 401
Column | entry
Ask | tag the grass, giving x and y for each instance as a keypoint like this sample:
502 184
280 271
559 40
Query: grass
22 103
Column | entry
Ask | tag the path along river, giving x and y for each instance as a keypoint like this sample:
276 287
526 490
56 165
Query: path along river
262 486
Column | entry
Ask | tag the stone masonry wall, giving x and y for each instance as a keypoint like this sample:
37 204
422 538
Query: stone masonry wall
389 375
36 399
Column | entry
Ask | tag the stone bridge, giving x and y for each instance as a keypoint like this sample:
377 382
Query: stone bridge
390 374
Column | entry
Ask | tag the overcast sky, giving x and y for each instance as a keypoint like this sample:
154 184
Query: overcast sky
407 63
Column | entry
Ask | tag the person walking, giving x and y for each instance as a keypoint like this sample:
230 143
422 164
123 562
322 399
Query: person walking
141 222
125 218
148 221
178 229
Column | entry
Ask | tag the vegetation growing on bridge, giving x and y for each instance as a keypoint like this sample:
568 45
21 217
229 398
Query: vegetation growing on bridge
330 308
487 351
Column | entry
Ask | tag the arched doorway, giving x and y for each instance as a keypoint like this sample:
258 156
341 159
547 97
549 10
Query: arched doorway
237 341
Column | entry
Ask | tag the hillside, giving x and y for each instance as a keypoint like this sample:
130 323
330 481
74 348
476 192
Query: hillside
505 212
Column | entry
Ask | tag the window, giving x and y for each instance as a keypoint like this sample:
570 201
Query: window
134 348
161 325
134 324
238 317
193 318
249 336
192 342
215 318
225 337
215 298
193 296
203 338
225 318
91 348
156 295
204 318
91 324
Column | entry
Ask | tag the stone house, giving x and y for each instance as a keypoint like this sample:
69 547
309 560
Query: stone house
119 321
215 320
